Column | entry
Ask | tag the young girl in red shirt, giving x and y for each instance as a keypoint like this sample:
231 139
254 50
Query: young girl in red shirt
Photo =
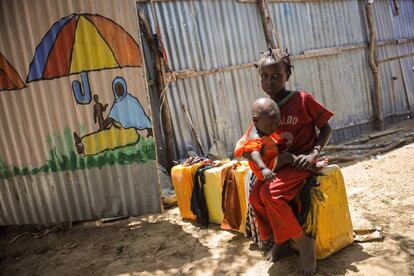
301 115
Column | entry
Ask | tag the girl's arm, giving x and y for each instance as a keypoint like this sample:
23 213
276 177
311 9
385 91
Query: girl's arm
284 159
323 139
304 161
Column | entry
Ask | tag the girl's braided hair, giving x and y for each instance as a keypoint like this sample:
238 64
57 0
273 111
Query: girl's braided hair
273 56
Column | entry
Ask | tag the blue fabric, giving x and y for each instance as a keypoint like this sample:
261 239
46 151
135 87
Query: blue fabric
38 65
127 110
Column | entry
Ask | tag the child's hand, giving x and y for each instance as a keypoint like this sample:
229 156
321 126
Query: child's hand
268 174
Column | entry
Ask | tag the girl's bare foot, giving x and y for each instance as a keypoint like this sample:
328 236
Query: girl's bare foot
306 246
274 252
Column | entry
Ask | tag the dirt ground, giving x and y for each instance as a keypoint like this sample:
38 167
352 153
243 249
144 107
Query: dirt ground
380 192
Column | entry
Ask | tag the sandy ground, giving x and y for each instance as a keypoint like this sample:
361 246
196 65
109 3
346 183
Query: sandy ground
380 193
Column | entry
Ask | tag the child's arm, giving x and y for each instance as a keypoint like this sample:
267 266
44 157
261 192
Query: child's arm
303 161
255 157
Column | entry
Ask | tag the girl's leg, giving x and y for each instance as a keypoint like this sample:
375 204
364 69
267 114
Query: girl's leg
306 246
282 190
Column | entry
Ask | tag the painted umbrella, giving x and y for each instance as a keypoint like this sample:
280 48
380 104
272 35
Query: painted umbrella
9 78
80 43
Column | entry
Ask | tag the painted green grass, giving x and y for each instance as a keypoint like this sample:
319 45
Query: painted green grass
62 156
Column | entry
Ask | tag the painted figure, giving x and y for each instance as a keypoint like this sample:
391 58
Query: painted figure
127 110
98 111
120 128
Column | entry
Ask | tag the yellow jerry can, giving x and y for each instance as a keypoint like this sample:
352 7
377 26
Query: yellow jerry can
241 174
182 179
334 230
213 193
213 187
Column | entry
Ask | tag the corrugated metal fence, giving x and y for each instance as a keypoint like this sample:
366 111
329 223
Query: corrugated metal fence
204 35
207 35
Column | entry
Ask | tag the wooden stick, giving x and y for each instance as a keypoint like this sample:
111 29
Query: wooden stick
18 236
357 141
372 59
369 146
354 147
384 133
267 24
374 135
395 58
404 140
183 74
190 122
165 115
396 8
191 73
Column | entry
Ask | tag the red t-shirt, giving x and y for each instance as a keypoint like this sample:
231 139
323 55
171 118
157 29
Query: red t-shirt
299 117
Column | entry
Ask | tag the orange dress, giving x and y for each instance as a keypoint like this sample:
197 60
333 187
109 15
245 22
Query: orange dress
266 145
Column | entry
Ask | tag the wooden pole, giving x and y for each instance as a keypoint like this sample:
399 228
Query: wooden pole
191 73
396 8
268 25
378 113
397 57
193 131
166 122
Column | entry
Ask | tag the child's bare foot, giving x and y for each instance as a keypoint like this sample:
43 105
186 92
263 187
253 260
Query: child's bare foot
318 166
274 252
306 246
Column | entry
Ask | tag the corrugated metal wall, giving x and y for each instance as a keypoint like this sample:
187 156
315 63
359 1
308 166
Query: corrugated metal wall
42 177
208 34
333 80
203 35
393 82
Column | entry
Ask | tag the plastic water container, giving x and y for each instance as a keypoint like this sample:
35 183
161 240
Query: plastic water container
213 187
213 193
182 180
334 221
242 172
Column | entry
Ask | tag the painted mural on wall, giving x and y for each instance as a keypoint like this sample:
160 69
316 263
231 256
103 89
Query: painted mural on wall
78 44
119 129
9 78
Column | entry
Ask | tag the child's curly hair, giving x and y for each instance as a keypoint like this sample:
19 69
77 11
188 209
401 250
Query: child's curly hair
273 56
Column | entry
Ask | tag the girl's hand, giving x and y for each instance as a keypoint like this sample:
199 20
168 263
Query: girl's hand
268 174
304 161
